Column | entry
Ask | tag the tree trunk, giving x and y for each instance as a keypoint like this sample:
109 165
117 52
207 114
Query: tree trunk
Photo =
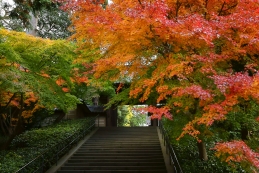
19 127
244 134
202 151
4 128
33 22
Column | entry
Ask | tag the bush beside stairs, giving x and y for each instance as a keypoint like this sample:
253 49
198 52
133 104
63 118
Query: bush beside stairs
118 149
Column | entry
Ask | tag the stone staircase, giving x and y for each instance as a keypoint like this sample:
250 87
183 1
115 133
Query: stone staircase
118 150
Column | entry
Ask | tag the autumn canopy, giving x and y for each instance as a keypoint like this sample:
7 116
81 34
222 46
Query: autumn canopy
195 58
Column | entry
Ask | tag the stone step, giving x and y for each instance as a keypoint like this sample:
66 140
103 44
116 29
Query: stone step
126 133
133 147
121 142
123 139
128 160
116 157
150 167
127 145
117 133
125 150
114 163
126 137
113 171
130 135
117 154
118 150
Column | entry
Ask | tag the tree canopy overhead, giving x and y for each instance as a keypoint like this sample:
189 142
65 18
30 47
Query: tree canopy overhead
195 58
204 49
35 74
40 66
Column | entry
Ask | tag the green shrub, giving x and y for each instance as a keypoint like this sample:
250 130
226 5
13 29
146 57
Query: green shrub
13 159
30 144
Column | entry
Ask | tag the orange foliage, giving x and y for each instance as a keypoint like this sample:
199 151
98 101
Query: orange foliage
30 98
45 75
80 76
65 89
175 51
238 151
60 81
29 113
178 39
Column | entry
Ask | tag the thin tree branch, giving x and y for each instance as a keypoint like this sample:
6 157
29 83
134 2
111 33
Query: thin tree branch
140 3
178 5
8 103
221 10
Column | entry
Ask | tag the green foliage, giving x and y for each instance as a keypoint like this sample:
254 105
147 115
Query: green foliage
50 135
138 120
242 118
37 118
188 155
254 141
130 116
28 145
37 58
53 23
122 119
10 161
97 88
121 98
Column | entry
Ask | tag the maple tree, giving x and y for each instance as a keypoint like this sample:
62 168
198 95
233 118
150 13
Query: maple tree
238 151
35 74
196 58
88 88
